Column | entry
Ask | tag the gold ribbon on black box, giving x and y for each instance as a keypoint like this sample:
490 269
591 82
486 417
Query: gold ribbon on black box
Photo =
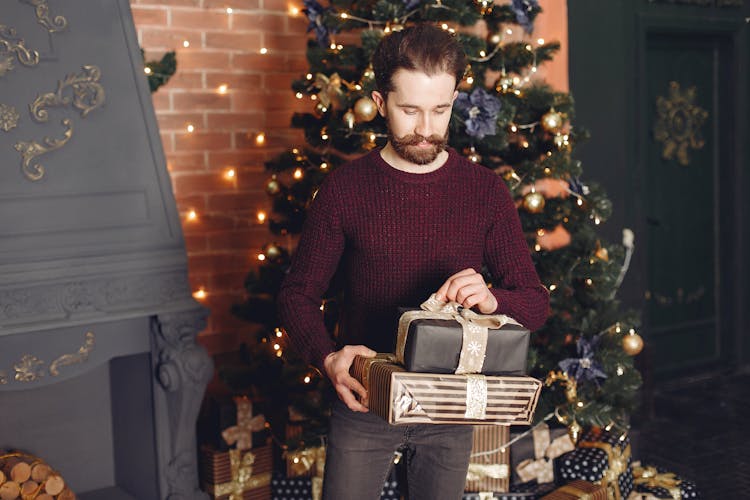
242 433
475 330
242 477
649 476
618 463
579 490
541 466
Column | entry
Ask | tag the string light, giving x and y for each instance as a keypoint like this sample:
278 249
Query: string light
261 217
307 379
620 370
192 215
190 128
260 139
229 10
323 166
186 43
294 10
261 257
279 333
509 31
308 76
223 88
579 202
200 294
230 174
540 41
263 50
552 288
513 128
147 70
276 347
589 281
298 173
580 404
537 247
299 95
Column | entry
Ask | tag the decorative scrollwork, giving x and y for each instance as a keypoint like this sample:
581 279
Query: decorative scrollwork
9 117
59 23
11 43
71 359
3 378
30 150
678 123
88 94
28 369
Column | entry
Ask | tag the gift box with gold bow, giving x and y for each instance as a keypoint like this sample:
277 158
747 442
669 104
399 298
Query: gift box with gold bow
237 474
402 397
443 337
655 483
600 457
488 463
526 491
578 490
219 413
532 457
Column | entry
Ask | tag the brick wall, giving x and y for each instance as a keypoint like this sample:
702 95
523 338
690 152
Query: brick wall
219 48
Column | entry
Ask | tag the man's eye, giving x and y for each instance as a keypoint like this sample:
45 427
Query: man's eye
410 112
440 112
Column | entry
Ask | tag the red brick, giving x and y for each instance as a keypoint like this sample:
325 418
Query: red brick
297 62
236 158
260 22
187 184
181 161
181 3
262 100
259 62
167 141
235 4
277 5
166 38
179 121
209 262
280 120
201 140
187 202
143 16
235 121
235 81
251 179
245 42
228 282
195 100
202 60
240 202
185 80
231 240
196 243
279 41
199 20
161 100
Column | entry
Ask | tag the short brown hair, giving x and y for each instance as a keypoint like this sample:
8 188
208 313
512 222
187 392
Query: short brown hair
422 47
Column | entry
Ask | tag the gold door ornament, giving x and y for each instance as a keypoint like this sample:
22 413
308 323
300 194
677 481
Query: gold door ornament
31 368
31 149
9 117
11 43
88 94
678 123
41 8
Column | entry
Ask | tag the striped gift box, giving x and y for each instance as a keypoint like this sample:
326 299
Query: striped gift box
489 468
402 397
216 469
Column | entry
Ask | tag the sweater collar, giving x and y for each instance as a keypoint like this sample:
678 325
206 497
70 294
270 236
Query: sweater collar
416 178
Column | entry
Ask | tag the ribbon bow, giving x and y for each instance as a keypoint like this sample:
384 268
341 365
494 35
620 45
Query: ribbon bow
242 433
310 460
541 467
618 463
475 330
649 476
241 464
477 472
330 89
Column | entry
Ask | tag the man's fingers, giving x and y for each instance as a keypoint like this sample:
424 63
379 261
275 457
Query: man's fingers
442 293
363 351
346 395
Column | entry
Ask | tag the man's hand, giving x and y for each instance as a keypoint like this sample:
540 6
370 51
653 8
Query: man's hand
337 366
468 288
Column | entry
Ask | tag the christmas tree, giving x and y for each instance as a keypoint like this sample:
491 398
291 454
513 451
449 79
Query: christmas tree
504 120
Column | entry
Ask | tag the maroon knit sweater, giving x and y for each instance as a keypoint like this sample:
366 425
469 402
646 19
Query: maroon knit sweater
397 237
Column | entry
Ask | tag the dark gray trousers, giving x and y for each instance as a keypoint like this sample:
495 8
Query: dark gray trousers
360 453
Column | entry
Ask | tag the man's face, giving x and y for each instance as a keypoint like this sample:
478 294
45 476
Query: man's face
417 112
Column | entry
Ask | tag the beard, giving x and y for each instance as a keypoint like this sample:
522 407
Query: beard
407 147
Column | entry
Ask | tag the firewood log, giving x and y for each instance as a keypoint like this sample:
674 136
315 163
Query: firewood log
54 484
30 489
2 477
40 472
10 490
21 472
67 494
44 496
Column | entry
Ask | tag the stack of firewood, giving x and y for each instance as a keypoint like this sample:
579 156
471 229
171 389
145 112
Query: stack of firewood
27 477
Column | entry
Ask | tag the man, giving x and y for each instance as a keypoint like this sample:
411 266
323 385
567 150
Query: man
401 223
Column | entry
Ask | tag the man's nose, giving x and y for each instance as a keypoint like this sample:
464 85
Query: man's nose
424 126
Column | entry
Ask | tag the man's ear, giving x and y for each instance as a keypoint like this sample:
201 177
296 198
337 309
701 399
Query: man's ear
379 102
455 95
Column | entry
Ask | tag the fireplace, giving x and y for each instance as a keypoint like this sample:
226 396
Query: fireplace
100 373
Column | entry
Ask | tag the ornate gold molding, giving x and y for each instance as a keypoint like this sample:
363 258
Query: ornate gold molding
71 359
3 378
29 368
41 8
678 123
88 94
9 117
11 43
32 149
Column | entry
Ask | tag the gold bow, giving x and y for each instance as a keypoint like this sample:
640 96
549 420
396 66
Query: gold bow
652 478
241 464
309 460
477 472
541 467
475 330
618 463
242 433
572 490
330 89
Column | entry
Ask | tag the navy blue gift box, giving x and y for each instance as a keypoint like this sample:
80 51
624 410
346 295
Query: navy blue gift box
300 488
525 491
660 483
599 457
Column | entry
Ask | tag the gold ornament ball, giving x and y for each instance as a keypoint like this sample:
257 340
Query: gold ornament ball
574 431
552 121
273 187
349 119
533 202
365 109
632 344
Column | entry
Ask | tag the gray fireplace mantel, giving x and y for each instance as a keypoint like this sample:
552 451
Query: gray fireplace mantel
100 372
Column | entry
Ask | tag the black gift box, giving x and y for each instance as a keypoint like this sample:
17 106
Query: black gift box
300 488
523 449
526 491
434 346
658 482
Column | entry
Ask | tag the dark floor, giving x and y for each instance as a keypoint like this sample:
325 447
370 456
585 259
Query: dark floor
696 429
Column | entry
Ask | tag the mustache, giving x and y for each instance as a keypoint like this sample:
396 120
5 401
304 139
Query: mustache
415 139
